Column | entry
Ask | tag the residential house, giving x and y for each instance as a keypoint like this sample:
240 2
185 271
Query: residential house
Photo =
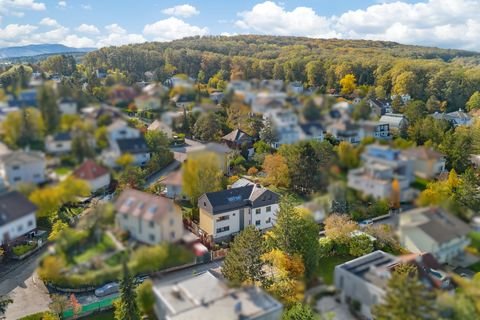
147 103
395 121
17 217
227 212
67 106
363 280
173 183
272 85
94 113
161 126
23 167
380 107
265 101
285 124
456 118
59 143
433 230
120 94
295 87
383 165
119 129
238 139
148 218
216 97
205 296
374 129
345 130
97 176
137 147
311 131
427 163
183 100
222 152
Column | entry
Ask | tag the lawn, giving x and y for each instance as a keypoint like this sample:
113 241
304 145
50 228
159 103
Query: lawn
106 315
420 183
327 265
95 250
61 171
475 237
475 267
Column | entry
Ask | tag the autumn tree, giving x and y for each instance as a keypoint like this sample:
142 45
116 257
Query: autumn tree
59 304
75 305
201 174
395 196
275 166
474 102
299 311
348 83
146 298
243 263
360 245
406 298
125 160
348 156
296 234
361 110
23 127
131 177
339 228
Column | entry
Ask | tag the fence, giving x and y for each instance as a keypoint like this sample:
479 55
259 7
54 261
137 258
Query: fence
90 308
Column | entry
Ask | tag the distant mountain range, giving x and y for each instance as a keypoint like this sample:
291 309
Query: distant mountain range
39 49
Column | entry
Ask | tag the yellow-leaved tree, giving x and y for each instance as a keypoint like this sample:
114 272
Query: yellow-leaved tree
201 174
348 83
275 166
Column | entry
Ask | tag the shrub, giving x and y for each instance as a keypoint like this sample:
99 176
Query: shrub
41 316
252 171
20 250
325 246
360 245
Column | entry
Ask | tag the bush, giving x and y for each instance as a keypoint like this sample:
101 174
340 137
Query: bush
360 245
252 171
20 250
41 316
325 246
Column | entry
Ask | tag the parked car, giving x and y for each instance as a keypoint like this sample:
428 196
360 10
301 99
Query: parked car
366 223
109 288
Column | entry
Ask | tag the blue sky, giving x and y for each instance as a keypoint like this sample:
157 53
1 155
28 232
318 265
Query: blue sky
88 23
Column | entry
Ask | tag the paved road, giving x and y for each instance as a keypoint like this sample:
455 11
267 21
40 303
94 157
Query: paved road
27 291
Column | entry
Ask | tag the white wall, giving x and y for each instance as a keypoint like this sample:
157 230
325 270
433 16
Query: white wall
125 132
68 107
58 146
18 227
33 172
99 183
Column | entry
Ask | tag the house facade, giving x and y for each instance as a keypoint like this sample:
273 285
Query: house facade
395 121
433 230
225 213
17 217
97 176
67 106
148 218
59 143
23 167
427 163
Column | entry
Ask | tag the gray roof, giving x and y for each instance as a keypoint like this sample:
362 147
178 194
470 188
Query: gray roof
393 119
22 157
133 145
236 198
13 206
237 135
61 136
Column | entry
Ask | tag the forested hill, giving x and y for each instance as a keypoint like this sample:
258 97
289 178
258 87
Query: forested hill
449 75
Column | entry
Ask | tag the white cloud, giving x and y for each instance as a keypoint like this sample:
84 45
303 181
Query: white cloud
183 10
14 31
7 5
49 22
270 18
86 7
78 42
172 28
62 3
444 23
87 28
118 36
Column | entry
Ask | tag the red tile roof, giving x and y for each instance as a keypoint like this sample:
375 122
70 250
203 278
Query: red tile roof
90 170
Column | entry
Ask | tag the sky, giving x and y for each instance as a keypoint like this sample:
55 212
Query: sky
97 23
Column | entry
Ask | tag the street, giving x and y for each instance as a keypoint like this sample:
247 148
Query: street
23 286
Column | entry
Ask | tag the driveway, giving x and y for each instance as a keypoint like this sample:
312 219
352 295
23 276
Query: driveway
328 305
27 291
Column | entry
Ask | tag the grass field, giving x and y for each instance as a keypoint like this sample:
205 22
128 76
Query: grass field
327 266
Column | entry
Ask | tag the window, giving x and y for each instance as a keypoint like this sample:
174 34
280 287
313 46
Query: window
20 228
125 216
269 209
172 222
59 145
17 179
172 235
258 211
269 220
257 223
152 224
30 223
223 229
15 167
223 218
152 237
204 204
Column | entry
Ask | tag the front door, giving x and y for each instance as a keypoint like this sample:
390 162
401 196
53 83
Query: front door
242 219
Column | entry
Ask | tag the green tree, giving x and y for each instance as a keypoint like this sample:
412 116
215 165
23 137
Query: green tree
268 133
126 308
4 302
207 127
146 298
474 102
22 128
360 245
361 111
157 141
299 311
295 233
243 263
310 111
415 110
48 107
406 298
348 156
380 93
131 177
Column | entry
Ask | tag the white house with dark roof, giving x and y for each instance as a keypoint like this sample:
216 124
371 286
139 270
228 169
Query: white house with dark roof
225 213
396 121
433 230
206 296
67 106
58 143
456 118
23 167
149 218
17 216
